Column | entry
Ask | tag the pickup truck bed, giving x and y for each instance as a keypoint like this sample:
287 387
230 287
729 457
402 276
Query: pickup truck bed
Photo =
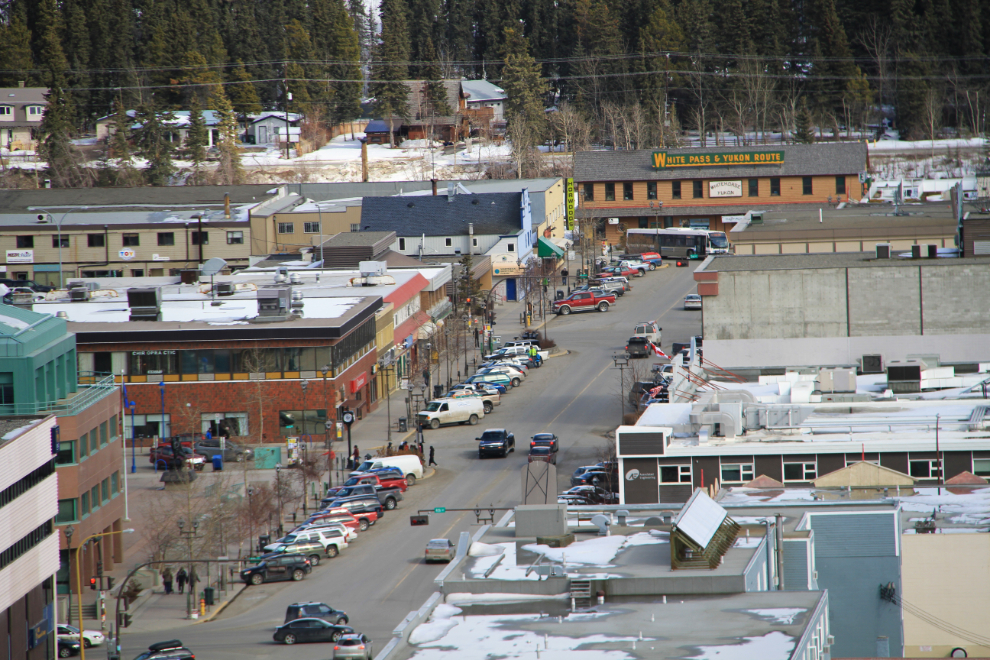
389 497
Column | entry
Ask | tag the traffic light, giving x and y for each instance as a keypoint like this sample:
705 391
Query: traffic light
92 583
418 521
99 567
110 582
123 620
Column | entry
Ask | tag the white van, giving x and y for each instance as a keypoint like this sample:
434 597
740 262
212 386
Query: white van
410 465
452 411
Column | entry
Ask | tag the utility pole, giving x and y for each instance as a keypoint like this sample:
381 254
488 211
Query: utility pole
288 97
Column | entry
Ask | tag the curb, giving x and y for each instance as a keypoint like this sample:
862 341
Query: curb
220 608
432 473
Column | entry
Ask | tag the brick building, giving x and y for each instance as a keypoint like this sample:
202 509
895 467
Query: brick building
708 188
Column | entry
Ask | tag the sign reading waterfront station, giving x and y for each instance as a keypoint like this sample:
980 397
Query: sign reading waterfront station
661 160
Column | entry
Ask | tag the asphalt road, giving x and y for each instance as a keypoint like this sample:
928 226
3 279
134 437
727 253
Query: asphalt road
381 576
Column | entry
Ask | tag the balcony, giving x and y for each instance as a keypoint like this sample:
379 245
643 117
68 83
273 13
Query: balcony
92 387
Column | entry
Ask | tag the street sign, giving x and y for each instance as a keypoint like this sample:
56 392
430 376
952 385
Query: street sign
419 521
440 509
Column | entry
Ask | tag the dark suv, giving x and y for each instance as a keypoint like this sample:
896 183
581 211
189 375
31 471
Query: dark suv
638 347
315 611
170 650
358 505
231 450
283 567
496 441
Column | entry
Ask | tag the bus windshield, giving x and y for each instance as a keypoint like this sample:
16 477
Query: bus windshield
718 239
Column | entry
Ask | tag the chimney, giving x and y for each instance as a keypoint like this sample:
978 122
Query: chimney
226 206
433 183
20 84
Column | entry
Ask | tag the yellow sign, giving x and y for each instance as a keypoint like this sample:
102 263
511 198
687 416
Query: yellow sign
570 203
661 160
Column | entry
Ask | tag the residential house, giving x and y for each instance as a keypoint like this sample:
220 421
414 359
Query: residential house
269 127
21 110
178 125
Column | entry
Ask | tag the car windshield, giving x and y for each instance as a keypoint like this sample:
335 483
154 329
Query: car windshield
438 543
718 239
433 407
539 450
491 435
349 641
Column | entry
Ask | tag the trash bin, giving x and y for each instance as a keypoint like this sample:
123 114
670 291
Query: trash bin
437 391
217 462
208 594
403 425
263 540
560 294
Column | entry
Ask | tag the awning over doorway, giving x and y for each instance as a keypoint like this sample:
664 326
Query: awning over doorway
545 248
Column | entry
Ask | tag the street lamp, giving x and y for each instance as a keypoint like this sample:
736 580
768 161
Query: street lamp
69 531
161 426
189 535
304 385
82 645
621 362
325 369
278 488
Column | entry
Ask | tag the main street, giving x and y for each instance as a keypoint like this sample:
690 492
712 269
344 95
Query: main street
381 576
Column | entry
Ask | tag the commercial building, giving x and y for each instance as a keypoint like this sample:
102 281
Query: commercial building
711 188
833 309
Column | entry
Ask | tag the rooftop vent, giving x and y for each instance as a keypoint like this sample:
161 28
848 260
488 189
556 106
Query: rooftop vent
145 304
883 250
373 268
872 364
297 299
282 276
295 278
224 289
273 302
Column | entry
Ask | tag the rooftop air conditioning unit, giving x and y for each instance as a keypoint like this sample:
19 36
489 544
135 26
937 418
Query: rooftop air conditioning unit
931 251
883 250
273 302
80 294
89 286
905 377
145 304
373 268
916 252
872 364
224 289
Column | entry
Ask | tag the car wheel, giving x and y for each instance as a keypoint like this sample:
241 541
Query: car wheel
240 458
488 408
516 382
389 504
335 636
473 420
87 643
314 560
332 551
289 638
342 621
564 311
257 579
410 480
434 424
640 273
603 307
653 266
363 525
64 652
297 575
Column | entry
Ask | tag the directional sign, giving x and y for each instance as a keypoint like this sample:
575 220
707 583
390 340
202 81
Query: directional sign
440 509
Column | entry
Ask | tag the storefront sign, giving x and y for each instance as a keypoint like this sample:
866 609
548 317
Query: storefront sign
158 257
127 254
661 160
507 270
725 188
20 256
570 204
359 382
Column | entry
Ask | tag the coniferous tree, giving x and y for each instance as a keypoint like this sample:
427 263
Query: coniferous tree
229 171
391 70
436 92
153 139
77 48
119 150
242 94
524 88
15 55
804 132
197 138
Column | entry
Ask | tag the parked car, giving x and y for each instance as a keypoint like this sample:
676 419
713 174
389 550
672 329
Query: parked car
544 439
488 400
622 271
388 478
310 630
543 453
594 494
692 301
366 508
29 284
650 330
499 442
410 465
495 378
170 650
440 550
162 457
350 533
480 387
639 347
515 377
387 497
573 500
67 648
597 478
608 281
283 567
232 452
90 637
353 646
314 610
636 264
340 516
638 389
313 543
583 301
466 410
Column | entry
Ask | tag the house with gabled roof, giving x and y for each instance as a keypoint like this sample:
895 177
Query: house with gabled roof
21 110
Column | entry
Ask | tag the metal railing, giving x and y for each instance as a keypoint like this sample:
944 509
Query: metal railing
92 387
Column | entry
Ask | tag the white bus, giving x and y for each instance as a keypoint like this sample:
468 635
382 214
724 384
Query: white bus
677 242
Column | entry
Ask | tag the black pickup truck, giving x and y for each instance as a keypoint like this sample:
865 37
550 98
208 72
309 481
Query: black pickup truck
389 497
498 442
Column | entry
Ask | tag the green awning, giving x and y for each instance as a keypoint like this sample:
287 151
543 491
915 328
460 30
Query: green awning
545 248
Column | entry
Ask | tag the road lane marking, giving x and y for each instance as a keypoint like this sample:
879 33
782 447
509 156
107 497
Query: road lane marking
564 409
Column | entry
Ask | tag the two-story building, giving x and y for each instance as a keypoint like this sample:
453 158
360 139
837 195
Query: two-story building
711 188
21 110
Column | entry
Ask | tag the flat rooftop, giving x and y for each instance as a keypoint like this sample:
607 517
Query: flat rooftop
853 220
760 262
764 625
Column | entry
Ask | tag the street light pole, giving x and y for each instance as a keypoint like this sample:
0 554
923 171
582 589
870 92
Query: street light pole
82 645
161 426
189 535
326 425
69 531
278 488
304 384
621 362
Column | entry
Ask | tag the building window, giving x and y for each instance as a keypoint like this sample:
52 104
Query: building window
355 226
196 236
55 241
84 508
675 189
609 192
231 424
402 244
25 242
806 185
132 240
35 110
104 438
286 227
94 497
6 111
84 445
235 238
67 511
840 185
737 472
96 240
981 467
166 238
699 191
113 428
137 272
924 468
512 247
311 228
806 471
627 192
775 186
675 474
754 187
105 489
448 242
589 192
474 242
66 452
295 423
114 483
651 190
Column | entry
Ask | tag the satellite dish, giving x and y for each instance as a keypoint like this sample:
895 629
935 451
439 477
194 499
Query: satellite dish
212 266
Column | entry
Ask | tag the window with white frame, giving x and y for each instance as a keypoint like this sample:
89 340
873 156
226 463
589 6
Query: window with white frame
448 242
474 242
35 111
402 244
737 472
311 227
675 474
6 111
230 424
512 247
800 471
923 468
981 467
286 228
235 238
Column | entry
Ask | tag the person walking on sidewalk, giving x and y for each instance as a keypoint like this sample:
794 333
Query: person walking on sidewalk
182 577
167 580
432 461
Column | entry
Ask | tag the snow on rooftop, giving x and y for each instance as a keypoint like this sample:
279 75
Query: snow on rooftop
772 646
12 322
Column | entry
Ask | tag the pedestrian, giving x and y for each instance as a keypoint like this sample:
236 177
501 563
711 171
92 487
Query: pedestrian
476 338
193 579
432 460
182 577
357 458
167 579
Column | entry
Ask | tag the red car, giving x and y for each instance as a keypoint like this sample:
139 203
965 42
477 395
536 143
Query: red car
163 458
613 271
342 516
382 480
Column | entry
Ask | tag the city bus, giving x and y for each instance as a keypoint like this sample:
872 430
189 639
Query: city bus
677 242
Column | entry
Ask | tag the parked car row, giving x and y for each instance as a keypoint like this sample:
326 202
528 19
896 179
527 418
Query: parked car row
196 451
